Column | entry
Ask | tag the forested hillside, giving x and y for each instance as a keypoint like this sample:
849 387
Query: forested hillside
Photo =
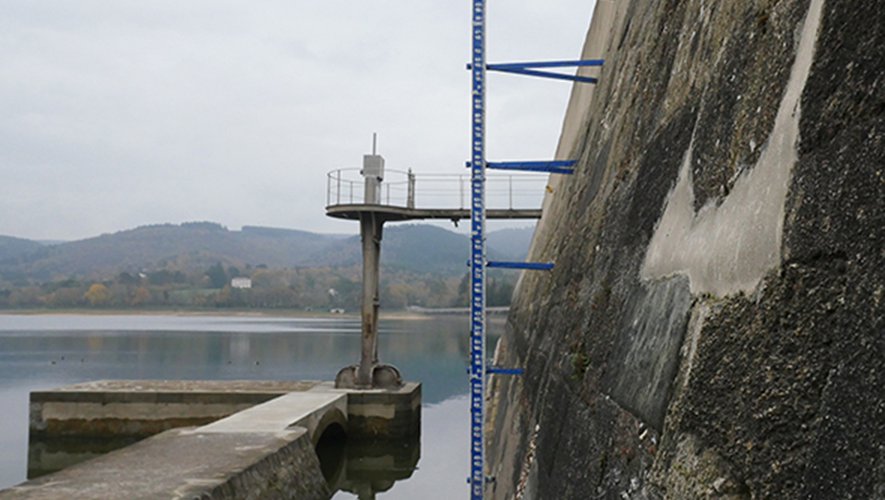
192 265
11 247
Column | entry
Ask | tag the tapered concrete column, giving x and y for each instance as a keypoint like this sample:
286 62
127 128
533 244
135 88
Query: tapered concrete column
370 373
370 232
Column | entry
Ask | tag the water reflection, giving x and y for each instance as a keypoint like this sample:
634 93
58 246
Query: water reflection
361 468
52 455
41 352
373 468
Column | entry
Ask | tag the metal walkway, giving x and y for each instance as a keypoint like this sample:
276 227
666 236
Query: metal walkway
395 214
407 196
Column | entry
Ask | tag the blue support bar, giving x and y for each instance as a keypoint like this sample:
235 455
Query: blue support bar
554 167
532 266
544 74
525 68
477 253
542 64
547 64
494 370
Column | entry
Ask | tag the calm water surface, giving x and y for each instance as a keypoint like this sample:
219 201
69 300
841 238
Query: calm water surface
42 352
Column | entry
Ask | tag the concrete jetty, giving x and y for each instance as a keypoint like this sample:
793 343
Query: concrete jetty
216 439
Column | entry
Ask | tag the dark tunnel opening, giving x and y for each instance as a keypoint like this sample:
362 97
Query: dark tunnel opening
330 450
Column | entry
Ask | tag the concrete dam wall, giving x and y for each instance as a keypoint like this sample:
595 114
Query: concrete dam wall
713 327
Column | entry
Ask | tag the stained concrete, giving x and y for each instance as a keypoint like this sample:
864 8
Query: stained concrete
64 432
731 243
381 414
134 409
577 112
259 452
303 409
766 384
647 353
187 463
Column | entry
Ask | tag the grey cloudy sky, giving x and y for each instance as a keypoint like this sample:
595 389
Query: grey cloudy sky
120 113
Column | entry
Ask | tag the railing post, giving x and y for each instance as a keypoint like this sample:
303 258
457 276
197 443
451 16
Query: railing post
338 180
410 195
510 190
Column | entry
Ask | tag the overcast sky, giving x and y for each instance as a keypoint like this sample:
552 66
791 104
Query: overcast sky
121 113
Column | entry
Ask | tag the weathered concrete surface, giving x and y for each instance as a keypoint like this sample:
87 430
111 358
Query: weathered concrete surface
732 242
189 463
577 112
134 409
313 411
732 348
139 408
46 456
250 454
384 414
76 423
262 448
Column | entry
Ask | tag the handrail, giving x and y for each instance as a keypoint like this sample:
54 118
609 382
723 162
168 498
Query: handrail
346 186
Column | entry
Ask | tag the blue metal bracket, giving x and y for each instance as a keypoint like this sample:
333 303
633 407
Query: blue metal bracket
525 68
532 266
494 370
554 167
549 64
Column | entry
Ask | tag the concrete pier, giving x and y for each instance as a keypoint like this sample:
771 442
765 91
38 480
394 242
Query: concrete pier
258 439
191 463
140 408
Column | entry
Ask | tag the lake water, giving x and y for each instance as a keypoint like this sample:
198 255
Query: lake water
46 351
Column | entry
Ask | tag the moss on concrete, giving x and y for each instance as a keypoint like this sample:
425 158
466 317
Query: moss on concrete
776 390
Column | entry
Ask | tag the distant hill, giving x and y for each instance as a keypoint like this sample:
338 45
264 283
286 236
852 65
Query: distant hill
183 247
197 245
512 244
412 247
11 247
426 248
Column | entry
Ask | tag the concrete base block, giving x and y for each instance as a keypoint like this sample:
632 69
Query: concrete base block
115 409
252 421
384 414
187 463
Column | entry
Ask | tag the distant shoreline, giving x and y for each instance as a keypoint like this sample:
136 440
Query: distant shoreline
168 312
266 313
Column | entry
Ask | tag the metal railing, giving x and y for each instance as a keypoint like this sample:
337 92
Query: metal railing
436 191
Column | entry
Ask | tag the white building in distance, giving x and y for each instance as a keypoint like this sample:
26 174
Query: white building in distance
240 282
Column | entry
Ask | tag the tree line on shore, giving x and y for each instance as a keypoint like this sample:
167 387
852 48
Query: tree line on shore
320 288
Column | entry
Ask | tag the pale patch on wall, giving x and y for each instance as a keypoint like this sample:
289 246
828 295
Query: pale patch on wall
728 248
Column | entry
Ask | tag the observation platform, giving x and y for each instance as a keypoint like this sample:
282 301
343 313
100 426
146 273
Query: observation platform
374 196
405 196
397 214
